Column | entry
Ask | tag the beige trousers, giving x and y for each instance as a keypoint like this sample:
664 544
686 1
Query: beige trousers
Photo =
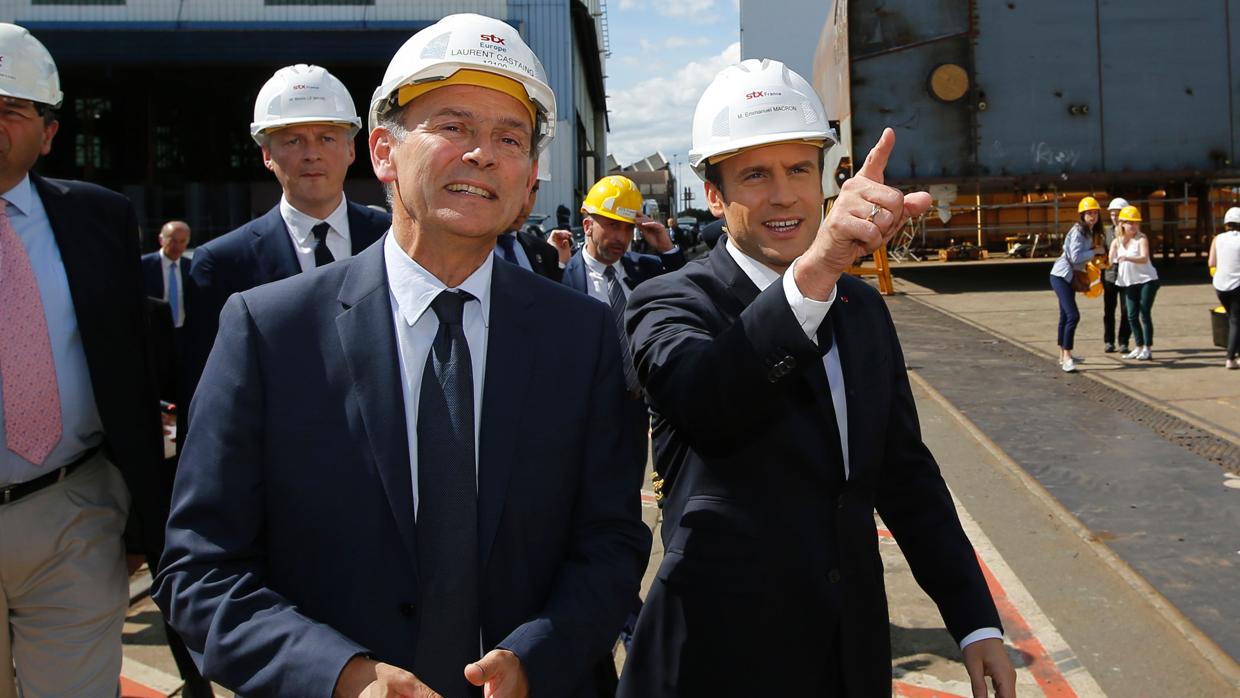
64 587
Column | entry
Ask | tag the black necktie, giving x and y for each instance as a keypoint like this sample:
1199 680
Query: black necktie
615 296
322 255
447 516
505 249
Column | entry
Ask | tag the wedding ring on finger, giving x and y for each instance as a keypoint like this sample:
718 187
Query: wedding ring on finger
873 212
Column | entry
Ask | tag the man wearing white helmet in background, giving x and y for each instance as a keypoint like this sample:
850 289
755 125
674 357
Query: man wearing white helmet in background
1110 292
80 443
304 123
786 417
368 502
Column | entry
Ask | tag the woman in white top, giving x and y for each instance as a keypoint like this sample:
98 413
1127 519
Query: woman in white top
1225 260
1138 279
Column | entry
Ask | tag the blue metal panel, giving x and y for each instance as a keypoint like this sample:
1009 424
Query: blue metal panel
893 49
1035 61
1164 86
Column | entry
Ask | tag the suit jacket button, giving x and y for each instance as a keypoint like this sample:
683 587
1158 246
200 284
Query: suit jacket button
839 502
833 576
790 362
408 609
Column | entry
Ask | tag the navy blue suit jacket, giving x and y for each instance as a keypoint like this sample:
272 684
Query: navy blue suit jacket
772 557
291 546
257 253
97 234
637 268
153 274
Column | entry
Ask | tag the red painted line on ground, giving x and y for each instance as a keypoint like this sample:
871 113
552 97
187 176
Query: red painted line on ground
1043 669
133 689
908 690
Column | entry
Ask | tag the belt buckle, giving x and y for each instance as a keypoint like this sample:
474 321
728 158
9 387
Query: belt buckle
7 494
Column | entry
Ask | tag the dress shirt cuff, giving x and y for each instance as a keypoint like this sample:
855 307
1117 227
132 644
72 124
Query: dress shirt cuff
808 312
674 250
981 634
562 264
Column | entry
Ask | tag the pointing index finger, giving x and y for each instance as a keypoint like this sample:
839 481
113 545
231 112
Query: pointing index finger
876 161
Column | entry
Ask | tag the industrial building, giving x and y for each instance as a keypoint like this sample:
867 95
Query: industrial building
159 94
1010 111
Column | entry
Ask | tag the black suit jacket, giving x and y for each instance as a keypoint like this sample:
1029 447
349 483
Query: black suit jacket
637 268
544 258
257 253
97 234
772 566
292 543
153 274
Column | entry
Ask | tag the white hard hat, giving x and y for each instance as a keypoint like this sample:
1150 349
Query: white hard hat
303 94
1232 215
475 43
1117 204
27 70
757 102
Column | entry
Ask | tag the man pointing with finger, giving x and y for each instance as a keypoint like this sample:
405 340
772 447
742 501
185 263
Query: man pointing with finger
784 419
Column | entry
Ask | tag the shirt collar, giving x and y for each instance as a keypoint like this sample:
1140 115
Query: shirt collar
414 287
19 196
299 224
760 274
595 265
163 258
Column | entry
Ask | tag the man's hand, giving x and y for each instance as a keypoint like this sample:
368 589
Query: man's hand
562 241
855 227
501 673
988 658
655 234
366 678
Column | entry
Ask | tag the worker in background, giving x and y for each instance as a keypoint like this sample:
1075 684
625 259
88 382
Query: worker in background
1225 268
772 583
1078 250
1111 296
304 123
1137 279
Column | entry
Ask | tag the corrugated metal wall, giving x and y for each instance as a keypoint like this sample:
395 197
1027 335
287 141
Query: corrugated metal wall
194 11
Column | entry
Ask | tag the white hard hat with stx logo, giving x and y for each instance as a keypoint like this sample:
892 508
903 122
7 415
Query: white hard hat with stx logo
303 94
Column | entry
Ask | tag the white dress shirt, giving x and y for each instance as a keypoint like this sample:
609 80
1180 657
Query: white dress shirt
299 226
178 303
412 288
809 314
596 283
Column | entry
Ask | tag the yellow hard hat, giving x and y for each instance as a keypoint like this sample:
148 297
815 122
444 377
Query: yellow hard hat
615 197
1131 214
1089 203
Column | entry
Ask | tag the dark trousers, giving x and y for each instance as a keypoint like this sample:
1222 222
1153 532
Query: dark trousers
1110 298
1139 299
1069 315
1231 301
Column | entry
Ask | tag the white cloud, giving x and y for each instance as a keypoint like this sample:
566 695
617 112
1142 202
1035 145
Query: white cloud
697 11
657 113
673 42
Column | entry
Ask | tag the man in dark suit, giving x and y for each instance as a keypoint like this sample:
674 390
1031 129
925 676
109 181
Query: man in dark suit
527 250
784 419
363 507
163 275
308 146
79 423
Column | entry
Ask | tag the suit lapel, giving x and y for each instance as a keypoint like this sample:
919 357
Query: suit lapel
273 248
742 289
369 340
575 273
510 354
76 255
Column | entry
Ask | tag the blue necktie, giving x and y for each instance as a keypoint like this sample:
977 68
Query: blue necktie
174 293
615 297
506 252
447 517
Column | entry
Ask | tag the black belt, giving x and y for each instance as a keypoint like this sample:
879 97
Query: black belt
12 493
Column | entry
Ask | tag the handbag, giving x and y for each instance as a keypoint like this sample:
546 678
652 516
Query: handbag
1080 281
